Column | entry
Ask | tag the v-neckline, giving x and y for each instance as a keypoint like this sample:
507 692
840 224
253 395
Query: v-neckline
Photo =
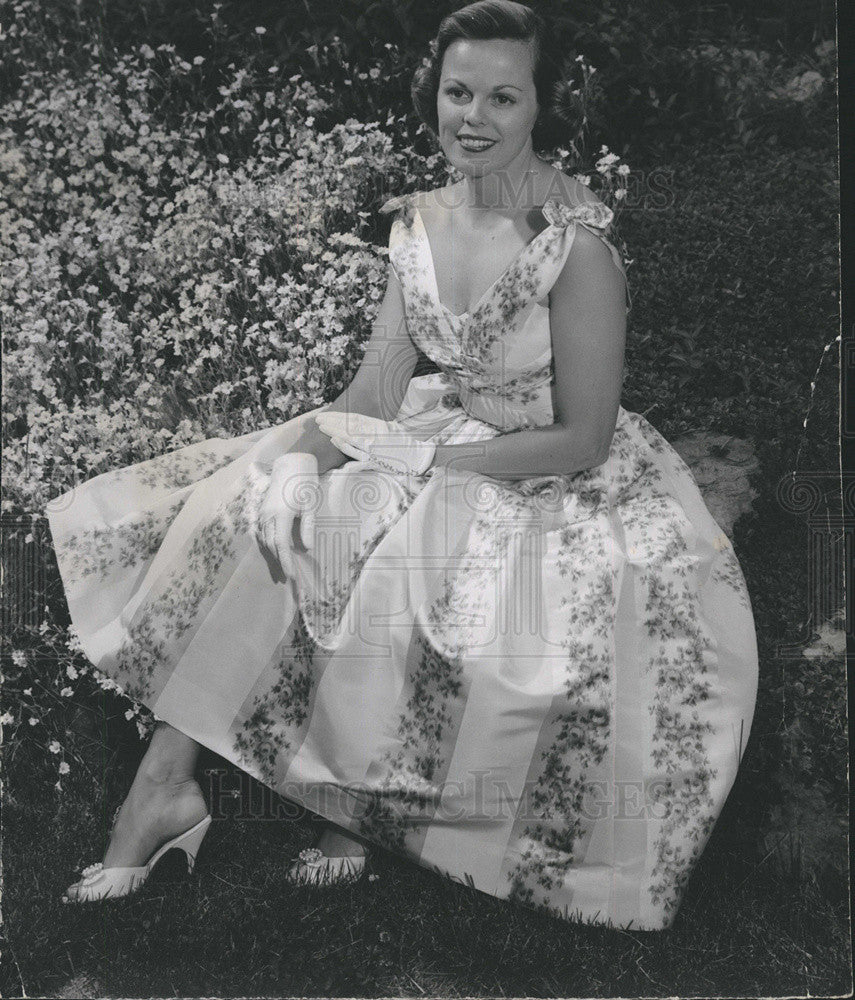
432 267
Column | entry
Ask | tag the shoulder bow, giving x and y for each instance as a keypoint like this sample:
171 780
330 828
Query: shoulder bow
596 216
589 213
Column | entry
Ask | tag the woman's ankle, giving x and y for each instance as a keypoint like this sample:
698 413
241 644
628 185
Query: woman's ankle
164 773
171 757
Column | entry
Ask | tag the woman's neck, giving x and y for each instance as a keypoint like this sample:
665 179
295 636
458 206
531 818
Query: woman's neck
509 188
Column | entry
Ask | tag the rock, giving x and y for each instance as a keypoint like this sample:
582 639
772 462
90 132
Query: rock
82 986
830 639
721 465
801 88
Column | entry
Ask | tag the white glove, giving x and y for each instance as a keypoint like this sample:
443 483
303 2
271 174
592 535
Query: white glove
382 443
294 491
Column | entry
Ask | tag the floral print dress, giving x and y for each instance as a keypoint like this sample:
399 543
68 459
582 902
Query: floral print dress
541 687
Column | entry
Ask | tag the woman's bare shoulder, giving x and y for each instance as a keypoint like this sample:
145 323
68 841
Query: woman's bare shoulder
432 204
436 202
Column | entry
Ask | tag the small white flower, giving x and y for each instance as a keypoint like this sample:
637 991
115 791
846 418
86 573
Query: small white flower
147 52
71 672
19 657
620 194
33 721
222 158
623 170
28 692
198 60
261 31
7 719
130 714
67 692
54 747
64 768
73 640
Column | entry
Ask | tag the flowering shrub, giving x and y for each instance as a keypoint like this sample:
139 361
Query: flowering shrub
138 274
176 267
153 294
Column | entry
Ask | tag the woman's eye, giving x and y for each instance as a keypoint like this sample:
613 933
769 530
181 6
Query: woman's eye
504 99
455 92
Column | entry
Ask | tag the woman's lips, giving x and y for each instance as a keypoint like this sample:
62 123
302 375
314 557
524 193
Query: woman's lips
473 145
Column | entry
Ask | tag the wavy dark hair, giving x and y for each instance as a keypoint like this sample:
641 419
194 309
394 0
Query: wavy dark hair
559 113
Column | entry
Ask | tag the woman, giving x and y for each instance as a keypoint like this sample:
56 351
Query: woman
480 617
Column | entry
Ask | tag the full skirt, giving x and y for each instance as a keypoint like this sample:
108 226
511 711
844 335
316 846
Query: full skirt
542 687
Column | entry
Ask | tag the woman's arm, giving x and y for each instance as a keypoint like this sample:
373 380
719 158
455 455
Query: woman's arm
588 323
380 383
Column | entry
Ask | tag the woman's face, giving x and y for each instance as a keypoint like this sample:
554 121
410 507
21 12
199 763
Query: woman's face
486 104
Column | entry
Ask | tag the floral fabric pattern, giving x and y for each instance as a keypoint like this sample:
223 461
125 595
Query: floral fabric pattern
542 687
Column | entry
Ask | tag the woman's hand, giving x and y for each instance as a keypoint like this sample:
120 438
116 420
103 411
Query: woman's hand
382 443
294 492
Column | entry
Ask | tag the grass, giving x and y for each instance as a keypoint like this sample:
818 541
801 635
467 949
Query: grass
235 928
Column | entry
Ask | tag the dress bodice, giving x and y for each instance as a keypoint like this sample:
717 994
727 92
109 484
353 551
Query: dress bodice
498 355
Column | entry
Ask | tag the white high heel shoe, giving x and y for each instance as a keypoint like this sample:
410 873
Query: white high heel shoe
313 867
100 883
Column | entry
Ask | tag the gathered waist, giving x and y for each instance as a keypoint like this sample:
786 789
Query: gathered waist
533 408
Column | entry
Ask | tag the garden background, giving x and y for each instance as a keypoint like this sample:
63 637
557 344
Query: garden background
190 247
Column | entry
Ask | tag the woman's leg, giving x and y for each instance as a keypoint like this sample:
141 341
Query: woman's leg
164 799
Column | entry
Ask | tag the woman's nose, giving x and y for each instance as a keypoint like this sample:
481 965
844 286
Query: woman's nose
474 114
